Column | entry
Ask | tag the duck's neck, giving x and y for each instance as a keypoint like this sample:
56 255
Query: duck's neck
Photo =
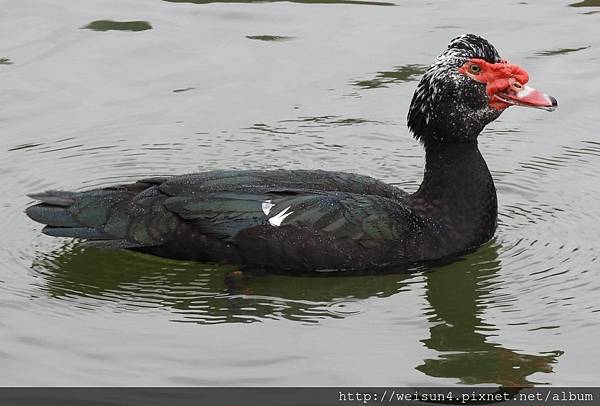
458 192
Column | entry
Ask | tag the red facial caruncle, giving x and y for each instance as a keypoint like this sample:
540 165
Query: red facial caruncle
506 85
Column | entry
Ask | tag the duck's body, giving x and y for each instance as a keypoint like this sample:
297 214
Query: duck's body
301 220
289 220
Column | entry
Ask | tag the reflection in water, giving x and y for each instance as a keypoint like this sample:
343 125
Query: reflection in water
329 121
278 38
199 292
363 2
405 73
185 89
560 51
586 3
458 296
108 25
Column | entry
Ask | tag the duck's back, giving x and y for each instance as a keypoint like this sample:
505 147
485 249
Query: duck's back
257 180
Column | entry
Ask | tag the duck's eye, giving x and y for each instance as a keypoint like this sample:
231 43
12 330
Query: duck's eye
476 69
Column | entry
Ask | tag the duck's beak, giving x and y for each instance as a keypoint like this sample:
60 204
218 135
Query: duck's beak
528 97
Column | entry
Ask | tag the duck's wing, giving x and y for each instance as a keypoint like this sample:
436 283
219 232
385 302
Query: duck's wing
342 215
291 229
260 226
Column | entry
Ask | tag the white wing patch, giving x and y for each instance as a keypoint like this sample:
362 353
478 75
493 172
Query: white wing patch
267 206
278 219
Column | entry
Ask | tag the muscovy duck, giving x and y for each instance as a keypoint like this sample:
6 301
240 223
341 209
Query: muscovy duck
303 220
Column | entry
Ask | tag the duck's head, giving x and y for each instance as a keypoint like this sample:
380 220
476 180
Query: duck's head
467 87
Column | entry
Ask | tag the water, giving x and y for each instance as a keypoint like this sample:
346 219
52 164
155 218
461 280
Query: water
96 93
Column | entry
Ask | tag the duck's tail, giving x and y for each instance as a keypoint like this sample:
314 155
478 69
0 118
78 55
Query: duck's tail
125 216
56 214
